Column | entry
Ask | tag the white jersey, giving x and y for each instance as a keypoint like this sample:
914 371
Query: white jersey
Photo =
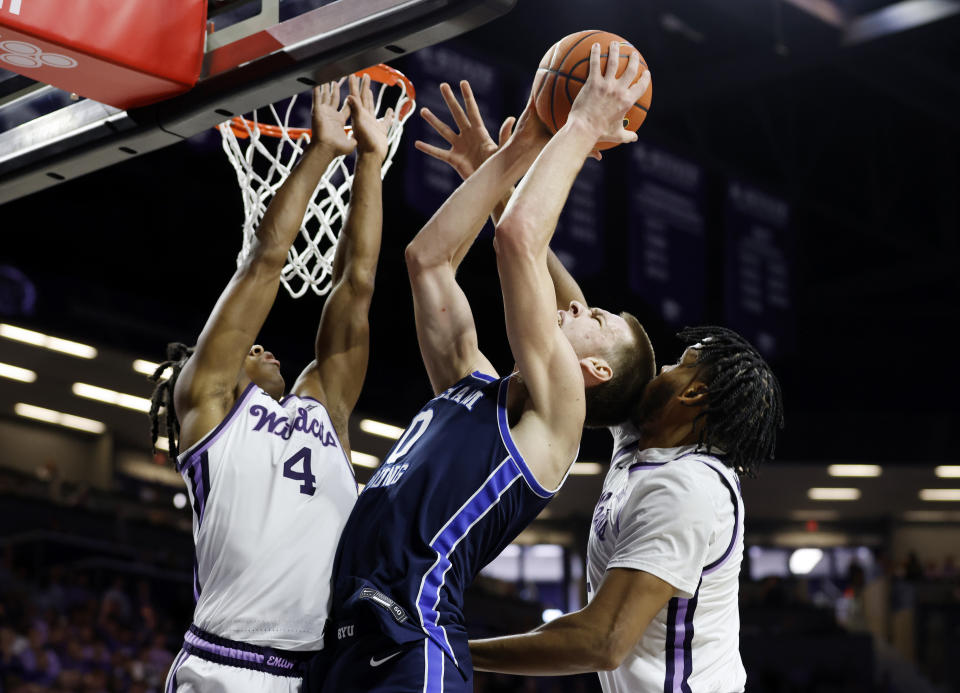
271 489
676 514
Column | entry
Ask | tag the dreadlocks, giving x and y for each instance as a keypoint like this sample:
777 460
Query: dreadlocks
162 397
744 406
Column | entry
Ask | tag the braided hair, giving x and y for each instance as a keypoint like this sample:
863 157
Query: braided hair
162 397
744 406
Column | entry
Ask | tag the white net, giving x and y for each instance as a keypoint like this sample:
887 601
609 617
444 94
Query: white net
263 155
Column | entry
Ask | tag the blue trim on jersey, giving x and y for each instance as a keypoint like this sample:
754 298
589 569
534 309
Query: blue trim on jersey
483 376
206 441
511 447
447 539
433 667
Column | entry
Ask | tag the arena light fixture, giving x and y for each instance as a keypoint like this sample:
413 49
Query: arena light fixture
363 459
932 516
179 501
586 468
948 471
551 615
24 375
940 494
59 418
855 470
802 561
64 346
834 494
120 399
815 515
378 428
148 367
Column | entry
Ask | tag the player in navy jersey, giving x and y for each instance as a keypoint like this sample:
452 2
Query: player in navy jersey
486 454
667 532
268 475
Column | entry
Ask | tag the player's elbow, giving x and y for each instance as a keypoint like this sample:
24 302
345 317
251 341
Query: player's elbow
361 281
420 257
610 653
514 234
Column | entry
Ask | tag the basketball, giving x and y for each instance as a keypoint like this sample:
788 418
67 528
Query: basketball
564 69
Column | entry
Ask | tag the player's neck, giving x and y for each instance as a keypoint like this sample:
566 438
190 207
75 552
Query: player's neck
667 434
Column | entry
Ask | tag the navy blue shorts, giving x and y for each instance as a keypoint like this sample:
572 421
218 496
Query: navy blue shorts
375 664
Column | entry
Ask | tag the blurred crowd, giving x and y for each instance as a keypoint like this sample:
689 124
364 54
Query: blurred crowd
67 633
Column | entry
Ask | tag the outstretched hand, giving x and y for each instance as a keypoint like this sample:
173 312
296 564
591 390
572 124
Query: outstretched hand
370 132
328 121
605 98
470 144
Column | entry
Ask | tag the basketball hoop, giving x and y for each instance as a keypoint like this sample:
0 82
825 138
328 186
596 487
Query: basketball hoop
263 155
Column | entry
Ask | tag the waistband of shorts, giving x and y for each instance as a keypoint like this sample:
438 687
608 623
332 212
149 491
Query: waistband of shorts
213 648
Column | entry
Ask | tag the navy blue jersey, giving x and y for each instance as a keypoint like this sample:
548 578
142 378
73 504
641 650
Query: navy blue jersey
452 493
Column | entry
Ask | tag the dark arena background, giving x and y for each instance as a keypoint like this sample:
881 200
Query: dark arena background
797 179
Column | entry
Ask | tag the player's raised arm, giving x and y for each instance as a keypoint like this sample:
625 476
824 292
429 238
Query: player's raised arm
342 348
471 145
205 389
445 326
548 364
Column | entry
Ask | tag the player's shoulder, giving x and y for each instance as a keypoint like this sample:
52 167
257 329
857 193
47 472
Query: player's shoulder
685 473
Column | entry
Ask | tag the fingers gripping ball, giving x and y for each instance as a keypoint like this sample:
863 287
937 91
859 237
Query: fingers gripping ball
564 69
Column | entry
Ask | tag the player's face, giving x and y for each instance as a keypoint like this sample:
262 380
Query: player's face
263 369
592 331
669 382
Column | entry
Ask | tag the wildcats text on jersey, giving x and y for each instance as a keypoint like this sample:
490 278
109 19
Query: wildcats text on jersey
282 427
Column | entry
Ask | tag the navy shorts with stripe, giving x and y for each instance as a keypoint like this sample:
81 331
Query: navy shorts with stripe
375 664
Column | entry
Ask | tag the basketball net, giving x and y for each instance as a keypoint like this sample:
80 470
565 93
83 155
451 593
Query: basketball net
263 155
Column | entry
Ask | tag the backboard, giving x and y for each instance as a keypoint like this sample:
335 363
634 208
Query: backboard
257 52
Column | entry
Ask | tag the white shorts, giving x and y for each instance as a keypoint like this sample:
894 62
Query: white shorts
191 674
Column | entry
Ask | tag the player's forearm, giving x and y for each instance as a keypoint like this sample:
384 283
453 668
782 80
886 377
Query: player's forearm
359 246
561 647
535 207
282 220
454 227
564 285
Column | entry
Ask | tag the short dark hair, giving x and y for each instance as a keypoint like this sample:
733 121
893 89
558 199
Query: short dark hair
744 407
609 403
162 397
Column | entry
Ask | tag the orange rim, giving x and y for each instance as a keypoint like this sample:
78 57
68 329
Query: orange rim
384 74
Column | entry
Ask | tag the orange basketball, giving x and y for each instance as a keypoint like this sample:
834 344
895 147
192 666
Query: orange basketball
564 69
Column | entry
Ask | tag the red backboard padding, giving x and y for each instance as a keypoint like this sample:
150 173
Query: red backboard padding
124 53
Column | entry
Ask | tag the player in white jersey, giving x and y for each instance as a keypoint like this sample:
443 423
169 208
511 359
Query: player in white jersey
666 540
269 477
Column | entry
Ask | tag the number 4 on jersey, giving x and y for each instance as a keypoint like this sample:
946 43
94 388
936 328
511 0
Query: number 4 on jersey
309 485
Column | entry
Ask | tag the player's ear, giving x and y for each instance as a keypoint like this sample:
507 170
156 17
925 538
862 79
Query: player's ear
595 370
694 394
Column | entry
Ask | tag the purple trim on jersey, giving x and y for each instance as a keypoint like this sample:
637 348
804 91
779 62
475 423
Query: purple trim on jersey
511 447
629 447
483 376
447 539
240 654
230 652
172 678
186 458
679 644
644 465
196 577
734 498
